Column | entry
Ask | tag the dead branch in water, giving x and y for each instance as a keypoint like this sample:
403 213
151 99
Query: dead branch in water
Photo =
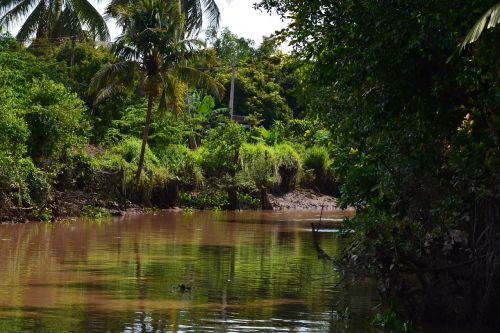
321 253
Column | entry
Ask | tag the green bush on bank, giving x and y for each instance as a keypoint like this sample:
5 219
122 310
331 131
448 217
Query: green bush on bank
220 149
276 167
258 163
56 120
318 170
21 183
317 159
184 163
288 166
40 123
113 172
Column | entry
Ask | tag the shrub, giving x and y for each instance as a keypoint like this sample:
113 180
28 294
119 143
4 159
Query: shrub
130 149
258 163
13 129
56 122
21 183
207 198
184 163
113 174
317 161
221 148
288 165
300 130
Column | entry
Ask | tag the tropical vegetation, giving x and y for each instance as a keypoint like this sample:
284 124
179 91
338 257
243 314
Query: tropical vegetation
393 106
416 149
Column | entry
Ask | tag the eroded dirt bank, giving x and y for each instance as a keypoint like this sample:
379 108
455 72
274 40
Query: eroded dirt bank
303 200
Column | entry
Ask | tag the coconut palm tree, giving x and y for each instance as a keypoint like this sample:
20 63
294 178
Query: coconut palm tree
153 44
53 19
488 20
195 11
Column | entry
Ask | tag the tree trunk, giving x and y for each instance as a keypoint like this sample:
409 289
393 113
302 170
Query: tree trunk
192 142
145 135
140 86
264 199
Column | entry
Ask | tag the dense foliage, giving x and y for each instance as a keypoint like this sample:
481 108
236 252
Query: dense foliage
376 102
266 88
54 139
417 144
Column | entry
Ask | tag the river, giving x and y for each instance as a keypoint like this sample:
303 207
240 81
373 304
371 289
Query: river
175 272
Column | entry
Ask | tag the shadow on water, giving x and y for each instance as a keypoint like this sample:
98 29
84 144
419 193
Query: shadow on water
201 272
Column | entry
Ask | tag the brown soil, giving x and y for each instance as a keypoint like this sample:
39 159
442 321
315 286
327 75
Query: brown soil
303 200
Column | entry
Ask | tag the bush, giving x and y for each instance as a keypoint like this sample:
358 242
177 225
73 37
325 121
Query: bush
221 148
207 198
56 121
21 183
303 131
317 159
185 164
317 163
113 174
13 129
288 165
258 163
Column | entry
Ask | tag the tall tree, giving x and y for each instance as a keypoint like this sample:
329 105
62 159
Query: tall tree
153 43
53 19
489 20
416 143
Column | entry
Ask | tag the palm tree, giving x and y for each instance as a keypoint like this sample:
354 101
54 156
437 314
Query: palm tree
489 20
195 12
53 19
153 44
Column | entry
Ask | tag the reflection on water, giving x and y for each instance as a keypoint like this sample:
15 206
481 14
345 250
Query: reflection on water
203 272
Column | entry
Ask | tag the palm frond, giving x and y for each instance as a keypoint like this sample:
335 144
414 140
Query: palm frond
212 12
32 22
121 49
201 80
172 95
111 76
12 11
106 92
194 15
196 12
489 20
113 7
92 19
68 25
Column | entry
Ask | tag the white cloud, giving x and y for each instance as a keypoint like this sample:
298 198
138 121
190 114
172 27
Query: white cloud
242 19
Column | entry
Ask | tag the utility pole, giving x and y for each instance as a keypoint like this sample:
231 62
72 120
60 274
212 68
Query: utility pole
231 96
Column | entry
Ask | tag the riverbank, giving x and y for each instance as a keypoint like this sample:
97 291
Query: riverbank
69 204
303 199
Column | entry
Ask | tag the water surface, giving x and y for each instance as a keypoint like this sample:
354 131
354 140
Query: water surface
174 272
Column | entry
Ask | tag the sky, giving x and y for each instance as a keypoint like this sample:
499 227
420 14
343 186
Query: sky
238 15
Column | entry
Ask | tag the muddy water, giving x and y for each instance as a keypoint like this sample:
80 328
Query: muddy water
174 272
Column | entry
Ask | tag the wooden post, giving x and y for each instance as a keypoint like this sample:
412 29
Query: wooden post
124 188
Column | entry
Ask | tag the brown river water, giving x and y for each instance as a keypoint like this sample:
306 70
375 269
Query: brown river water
175 272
